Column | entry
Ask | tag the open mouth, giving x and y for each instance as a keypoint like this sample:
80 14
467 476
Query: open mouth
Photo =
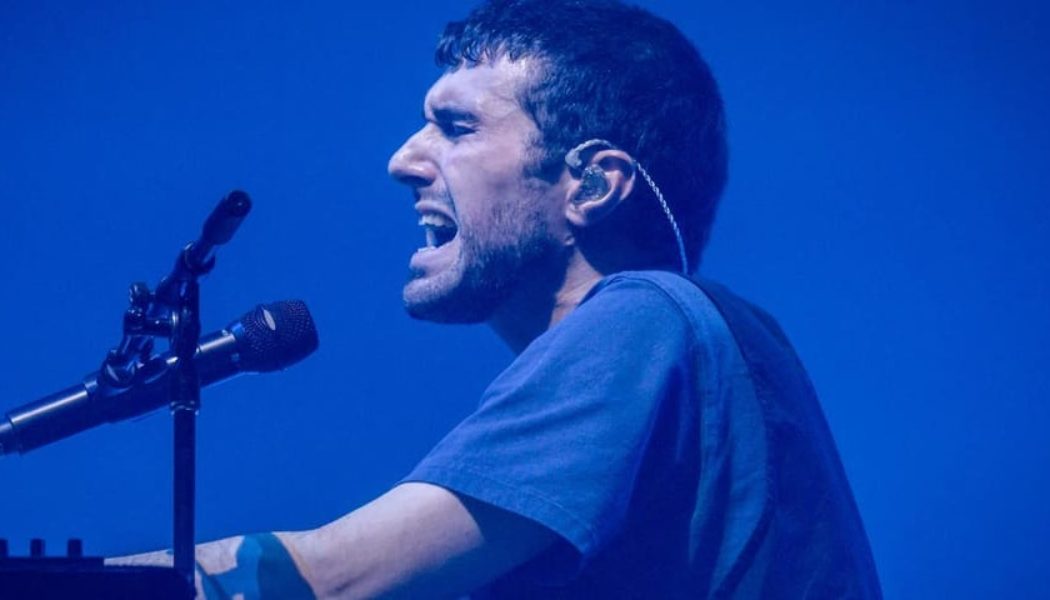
438 229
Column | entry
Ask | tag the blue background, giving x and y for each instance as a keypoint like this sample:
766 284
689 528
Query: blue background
888 202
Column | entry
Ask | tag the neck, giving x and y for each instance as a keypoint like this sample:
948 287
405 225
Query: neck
540 304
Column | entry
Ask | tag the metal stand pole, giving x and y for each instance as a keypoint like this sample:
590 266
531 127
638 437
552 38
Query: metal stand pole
184 406
185 474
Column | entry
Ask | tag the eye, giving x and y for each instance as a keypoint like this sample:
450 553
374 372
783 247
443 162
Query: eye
452 129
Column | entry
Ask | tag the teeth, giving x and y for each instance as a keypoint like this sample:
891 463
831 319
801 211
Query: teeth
435 220
438 228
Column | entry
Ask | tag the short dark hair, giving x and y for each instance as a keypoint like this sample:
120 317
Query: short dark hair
619 73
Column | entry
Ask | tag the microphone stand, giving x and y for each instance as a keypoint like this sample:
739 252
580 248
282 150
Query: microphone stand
173 311
185 402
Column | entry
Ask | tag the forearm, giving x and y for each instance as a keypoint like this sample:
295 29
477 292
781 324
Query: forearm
254 566
416 541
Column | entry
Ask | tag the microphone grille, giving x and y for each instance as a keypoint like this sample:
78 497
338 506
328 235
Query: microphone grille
276 335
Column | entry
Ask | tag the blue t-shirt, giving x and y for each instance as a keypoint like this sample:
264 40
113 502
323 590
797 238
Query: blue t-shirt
671 439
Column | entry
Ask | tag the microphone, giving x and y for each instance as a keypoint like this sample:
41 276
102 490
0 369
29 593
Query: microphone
268 338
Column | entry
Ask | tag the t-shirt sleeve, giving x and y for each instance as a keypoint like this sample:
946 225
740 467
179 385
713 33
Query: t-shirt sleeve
559 436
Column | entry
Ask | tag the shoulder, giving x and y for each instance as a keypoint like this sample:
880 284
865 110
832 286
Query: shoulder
660 303
631 323
626 308
635 320
654 286
672 314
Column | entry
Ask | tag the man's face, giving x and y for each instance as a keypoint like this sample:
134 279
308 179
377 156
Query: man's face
488 224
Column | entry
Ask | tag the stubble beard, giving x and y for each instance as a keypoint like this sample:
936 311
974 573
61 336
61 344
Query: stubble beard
485 274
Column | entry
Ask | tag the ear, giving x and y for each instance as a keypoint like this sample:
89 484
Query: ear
585 207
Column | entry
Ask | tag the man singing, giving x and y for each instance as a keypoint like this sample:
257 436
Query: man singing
655 436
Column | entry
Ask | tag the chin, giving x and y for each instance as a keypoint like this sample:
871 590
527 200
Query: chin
451 301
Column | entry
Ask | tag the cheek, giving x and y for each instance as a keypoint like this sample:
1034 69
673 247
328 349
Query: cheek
479 181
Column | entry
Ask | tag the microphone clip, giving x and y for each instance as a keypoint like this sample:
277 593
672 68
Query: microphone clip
173 310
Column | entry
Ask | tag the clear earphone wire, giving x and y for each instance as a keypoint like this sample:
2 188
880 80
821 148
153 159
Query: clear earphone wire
575 162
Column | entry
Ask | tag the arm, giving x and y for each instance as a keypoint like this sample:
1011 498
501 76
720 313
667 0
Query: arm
416 541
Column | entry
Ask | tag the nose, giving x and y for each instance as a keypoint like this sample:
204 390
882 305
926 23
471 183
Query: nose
411 164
